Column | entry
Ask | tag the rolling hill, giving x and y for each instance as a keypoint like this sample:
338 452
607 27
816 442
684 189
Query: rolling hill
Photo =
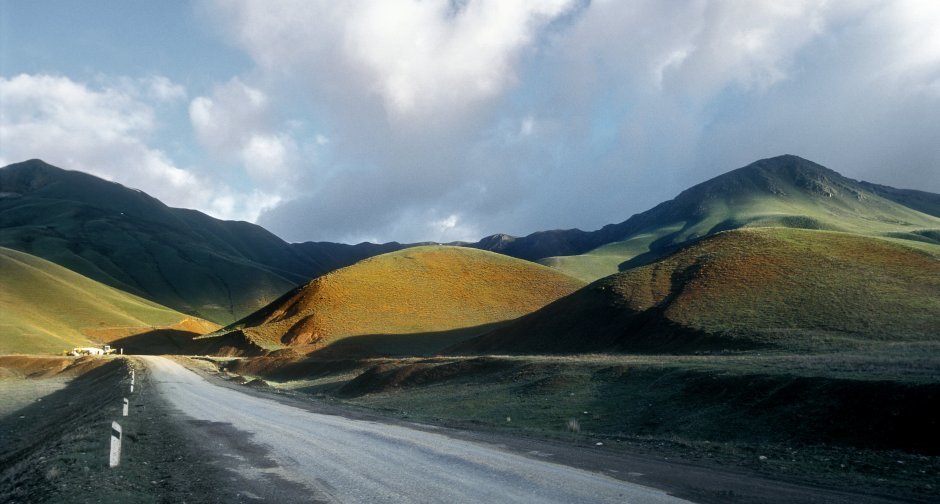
47 308
183 259
785 191
792 289
428 297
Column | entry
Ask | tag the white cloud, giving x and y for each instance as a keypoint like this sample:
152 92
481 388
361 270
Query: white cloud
105 132
227 119
164 89
268 156
33 102
426 58
451 228
431 60
244 207
519 116
236 124
695 48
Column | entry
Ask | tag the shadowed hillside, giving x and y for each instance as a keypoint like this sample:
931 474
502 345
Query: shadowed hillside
219 270
772 287
48 308
419 294
785 191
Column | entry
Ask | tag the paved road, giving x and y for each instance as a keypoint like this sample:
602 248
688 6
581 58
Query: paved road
344 460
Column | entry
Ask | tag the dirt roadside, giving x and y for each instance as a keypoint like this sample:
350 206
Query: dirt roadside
56 449
707 483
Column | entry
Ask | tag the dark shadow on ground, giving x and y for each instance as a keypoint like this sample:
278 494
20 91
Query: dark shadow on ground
178 342
399 345
47 443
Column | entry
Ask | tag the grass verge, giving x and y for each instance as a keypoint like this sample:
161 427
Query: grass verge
846 421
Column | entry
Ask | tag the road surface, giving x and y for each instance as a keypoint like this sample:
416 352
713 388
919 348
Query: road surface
338 459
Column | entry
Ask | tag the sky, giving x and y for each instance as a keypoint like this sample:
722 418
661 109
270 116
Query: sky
436 120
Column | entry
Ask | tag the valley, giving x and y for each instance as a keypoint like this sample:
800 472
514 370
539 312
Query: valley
769 335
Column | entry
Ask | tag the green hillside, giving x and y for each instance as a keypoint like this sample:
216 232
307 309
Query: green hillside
428 297
790 289
785 191
47 308
193 263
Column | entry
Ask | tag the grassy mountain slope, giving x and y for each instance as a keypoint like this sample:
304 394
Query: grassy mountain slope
419 293
48 308
771 287
220 270
785 191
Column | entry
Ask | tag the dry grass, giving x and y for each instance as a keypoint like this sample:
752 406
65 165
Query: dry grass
791 289
31 366
780 280
573 425
418 290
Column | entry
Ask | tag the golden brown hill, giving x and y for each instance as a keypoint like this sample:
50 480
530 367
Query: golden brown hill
769 287
436 294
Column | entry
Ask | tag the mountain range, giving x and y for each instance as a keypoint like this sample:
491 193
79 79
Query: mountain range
664 273
785 191
183 259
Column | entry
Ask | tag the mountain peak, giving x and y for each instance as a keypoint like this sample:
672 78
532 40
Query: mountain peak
32 163
789 166
780 191
776 176
28 176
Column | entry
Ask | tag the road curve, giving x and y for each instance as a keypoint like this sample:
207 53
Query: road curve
346 460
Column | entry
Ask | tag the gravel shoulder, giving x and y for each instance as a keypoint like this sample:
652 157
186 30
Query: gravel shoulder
693 481
352 460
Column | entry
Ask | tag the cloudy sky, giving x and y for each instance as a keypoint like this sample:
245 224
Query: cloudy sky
450 120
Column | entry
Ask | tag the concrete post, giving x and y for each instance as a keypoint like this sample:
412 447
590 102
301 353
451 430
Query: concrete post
116 435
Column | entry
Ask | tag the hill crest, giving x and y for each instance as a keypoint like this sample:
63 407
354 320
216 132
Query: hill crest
417 291
741 289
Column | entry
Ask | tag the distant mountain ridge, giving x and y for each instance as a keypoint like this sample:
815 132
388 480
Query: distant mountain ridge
224 270
786 191
180 258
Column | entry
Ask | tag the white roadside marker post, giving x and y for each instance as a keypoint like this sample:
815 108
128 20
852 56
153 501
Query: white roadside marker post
115 445
126 403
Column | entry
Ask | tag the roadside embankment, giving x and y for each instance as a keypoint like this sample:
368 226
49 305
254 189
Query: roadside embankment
54 445
843 421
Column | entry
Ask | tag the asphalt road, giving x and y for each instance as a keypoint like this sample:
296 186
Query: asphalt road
337 459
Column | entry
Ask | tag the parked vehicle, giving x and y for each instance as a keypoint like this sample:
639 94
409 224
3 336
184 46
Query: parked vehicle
103 350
